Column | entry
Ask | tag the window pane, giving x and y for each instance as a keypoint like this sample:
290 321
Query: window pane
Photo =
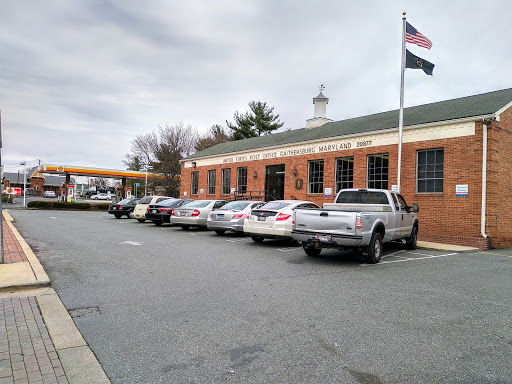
377 173
430 171
316 176
211 182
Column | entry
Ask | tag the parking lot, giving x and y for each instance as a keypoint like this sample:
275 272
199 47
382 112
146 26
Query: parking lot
168 305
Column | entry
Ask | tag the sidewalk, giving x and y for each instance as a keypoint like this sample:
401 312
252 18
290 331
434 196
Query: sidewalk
39 342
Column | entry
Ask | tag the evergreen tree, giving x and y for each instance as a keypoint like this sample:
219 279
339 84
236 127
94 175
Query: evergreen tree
260 121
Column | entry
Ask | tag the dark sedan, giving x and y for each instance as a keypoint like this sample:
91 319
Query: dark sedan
123 208
161 213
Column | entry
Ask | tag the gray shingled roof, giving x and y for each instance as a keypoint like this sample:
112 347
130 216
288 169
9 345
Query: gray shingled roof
465 107
49 180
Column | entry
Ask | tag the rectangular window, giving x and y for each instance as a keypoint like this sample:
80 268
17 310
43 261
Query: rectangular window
226 181
194 184
212 179
242 180
344 173
316 176
430 171
378 170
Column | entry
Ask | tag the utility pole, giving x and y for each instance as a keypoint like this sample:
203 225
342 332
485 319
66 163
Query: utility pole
24 163
1 190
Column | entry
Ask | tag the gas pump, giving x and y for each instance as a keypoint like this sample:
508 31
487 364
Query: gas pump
63 191
128 192
71 193
119 194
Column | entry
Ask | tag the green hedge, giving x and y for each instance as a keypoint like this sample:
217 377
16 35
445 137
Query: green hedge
58 205
102 206
7 198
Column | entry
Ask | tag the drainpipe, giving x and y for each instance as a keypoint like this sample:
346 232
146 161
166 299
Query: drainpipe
486 123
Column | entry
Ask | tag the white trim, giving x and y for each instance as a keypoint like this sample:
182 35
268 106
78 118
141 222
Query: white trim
500 111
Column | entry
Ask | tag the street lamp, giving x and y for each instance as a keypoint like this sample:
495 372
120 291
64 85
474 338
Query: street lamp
146 183
24 163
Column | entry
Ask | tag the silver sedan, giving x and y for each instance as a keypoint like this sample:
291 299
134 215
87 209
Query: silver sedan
195 213
231 216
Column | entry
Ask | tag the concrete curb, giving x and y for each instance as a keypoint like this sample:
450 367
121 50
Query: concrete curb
42 279
77 359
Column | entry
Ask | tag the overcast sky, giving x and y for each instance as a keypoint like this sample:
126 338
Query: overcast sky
81 79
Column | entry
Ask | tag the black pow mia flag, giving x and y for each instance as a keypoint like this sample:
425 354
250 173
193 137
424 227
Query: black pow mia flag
415 62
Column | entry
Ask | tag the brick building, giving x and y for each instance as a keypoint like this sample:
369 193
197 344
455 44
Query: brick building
456 164
36 182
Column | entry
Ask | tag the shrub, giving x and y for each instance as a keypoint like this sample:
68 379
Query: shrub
103 206
6 198
58 205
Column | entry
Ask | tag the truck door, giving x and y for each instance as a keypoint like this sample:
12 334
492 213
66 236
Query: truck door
399 217
407 218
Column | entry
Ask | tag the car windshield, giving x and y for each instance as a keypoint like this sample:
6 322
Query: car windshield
236 205
125 201
146 200
198 204
275 205
166 203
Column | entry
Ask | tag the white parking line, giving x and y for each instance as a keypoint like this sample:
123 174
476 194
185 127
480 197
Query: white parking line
412 259
235 240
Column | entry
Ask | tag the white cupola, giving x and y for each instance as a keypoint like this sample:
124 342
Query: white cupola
320 102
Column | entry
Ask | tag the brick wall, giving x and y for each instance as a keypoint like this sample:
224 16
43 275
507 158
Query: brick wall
499 182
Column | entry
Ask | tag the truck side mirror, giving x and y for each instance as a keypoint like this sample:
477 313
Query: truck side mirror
415 208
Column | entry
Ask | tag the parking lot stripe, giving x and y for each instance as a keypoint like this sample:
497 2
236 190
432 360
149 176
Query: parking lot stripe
416 258
496 254
287 249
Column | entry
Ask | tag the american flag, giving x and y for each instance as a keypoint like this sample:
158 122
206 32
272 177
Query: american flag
413 36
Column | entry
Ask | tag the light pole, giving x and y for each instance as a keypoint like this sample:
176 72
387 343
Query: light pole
146 183
24 163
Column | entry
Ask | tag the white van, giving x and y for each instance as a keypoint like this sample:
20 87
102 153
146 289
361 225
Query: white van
139 212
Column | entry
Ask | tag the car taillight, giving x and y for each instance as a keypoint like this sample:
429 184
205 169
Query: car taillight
283 217
293 218
195 213
238 215
248 216
147 209
120 207
359 224
172 213
165 209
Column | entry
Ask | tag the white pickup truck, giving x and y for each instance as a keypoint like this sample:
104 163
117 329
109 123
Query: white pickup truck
359 218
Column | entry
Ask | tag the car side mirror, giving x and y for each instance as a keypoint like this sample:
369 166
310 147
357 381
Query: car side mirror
415 208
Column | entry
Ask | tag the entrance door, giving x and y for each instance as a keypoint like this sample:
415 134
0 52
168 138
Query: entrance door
274 182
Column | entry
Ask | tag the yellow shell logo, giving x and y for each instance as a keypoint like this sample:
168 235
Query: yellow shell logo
60 168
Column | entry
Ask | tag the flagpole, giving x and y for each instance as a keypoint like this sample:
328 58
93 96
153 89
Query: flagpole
401 114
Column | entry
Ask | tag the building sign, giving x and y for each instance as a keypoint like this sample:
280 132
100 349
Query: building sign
461 190
388 137
328 192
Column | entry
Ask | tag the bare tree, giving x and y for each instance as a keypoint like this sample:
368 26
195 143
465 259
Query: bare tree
214 136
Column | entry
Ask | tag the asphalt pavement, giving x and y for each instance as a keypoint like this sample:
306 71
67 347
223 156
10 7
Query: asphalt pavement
159 304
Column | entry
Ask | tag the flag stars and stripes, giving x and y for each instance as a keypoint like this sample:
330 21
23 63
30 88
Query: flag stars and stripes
412 35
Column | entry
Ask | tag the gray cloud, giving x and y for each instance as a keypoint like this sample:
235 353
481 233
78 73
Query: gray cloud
81 79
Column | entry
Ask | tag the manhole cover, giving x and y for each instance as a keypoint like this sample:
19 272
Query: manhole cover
81 312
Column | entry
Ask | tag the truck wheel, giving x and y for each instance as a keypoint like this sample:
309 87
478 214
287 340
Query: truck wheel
312 251
257 239
412 240
374 249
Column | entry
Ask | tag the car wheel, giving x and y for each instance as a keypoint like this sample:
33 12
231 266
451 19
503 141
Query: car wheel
311 250
117 216
130 215
374 250
219 231
185 227
257 239
412 240
157 222
141 220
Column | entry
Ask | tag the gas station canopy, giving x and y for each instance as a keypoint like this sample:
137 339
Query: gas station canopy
96 172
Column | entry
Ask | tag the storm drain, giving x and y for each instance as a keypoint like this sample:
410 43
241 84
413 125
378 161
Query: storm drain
82 312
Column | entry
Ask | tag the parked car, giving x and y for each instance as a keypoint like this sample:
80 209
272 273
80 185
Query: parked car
101 196
273 220
142 206
231 216
49 194
161 212
195 214
123 208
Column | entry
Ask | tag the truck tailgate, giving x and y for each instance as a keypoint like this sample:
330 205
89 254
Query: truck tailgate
325 221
